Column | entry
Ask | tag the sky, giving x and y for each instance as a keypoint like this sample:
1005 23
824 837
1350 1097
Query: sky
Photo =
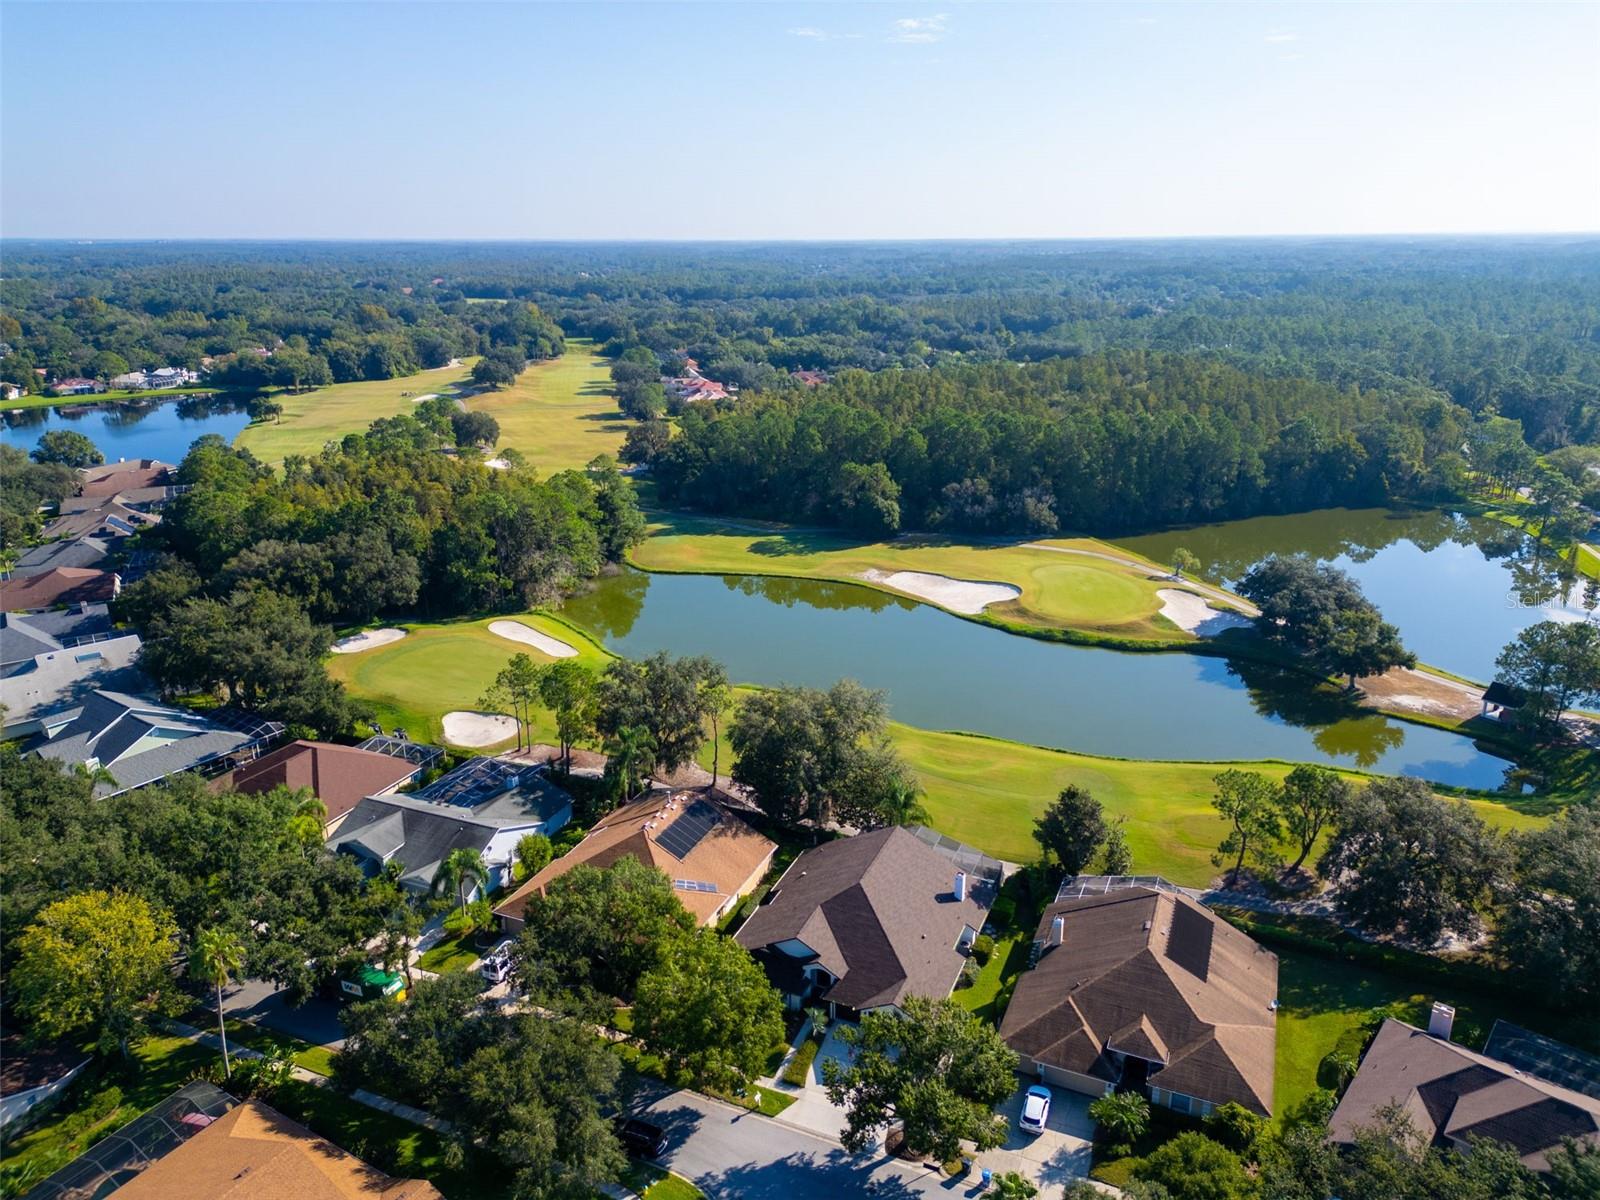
796 121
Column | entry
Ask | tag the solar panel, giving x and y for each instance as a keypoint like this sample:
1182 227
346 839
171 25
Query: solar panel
693 885
1544 1058
1189 942
681 837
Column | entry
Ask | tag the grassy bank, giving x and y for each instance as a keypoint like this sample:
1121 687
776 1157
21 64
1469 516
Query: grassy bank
560 413
1103 600
312 419
160 397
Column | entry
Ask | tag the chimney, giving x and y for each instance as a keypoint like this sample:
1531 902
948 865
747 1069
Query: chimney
1058 930
1441 1020
961 885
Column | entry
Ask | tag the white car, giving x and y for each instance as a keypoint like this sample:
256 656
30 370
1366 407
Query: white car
1035 1109
496 965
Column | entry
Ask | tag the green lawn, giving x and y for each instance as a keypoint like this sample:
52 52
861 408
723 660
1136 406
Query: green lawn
160 1066
1059 591
449 954
653 1183
1010 959
246 1033
559 413
34 400
437 669
312 419
988 792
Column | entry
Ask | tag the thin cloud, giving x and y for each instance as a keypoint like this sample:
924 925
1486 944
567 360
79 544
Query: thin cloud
1282 36
812 33
920 30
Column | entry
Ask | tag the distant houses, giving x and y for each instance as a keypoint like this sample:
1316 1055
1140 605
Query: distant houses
156 380
76 386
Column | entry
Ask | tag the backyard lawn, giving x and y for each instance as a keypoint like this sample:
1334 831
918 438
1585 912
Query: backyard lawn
312 419
1010 959
1059 591
450 954
559 414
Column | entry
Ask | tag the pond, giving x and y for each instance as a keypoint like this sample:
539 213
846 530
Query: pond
945 673
164 430
1459 588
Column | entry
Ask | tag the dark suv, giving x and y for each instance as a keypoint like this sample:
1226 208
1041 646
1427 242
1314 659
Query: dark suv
640 1138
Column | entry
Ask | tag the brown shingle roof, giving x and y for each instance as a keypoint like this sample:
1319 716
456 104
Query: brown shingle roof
878 911
1452 1094
256 1153
111 478
1152 974
341 776
726 857
61 585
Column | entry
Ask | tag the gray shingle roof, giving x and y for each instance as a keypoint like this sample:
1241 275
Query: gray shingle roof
25 635
80 552
1452 1094
59 678
878 911
416 835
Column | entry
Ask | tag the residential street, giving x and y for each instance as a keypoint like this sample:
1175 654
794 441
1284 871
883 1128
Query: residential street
734 1155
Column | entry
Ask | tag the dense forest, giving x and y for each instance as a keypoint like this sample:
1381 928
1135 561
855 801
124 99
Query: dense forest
1102 442
1510 326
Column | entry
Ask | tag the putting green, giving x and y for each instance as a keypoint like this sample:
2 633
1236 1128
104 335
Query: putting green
313 419
559 413
1076 591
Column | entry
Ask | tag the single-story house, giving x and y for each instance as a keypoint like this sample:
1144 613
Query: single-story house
201 1144
861 923
63 678
486 804
712 856
31 1075
340 776
138 741
86 551
58 586
1452 1095
103 517
128 381
24 636
1141 987
10 391
108 479
77 386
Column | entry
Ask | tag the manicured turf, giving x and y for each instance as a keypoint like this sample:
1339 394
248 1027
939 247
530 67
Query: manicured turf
449 954
653 1183
988 792
34 400
1059 591
437 669
312 419
1009 959
559 414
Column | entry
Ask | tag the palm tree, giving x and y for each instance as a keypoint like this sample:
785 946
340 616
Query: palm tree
632 752
218 953
459 870
902 803
308 821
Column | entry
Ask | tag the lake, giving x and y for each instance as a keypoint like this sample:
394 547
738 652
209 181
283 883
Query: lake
164 431
945 673
1459 588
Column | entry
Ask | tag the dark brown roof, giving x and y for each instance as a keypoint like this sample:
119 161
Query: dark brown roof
23 1068
60 585
1151 974
111 478
878 911
341 776
1452 1094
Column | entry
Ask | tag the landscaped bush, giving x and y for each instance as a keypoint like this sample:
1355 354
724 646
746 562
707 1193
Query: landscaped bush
798 1072
983 949
969 974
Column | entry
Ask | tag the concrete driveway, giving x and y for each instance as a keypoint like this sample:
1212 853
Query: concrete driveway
1054 1158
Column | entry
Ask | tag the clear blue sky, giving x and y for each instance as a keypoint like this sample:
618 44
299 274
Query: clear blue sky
756 120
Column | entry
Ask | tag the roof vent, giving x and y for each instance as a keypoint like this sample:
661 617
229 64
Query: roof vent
1441 1021
960 888
1058 930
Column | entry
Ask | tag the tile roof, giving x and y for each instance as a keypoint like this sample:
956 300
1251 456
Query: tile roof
1452 1094
59 585
256 1153
1151 973
726 856
341 776
878 912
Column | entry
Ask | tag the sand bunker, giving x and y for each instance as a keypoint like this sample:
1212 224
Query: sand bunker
357 642
516 631
478 728
497 464
969 596
424 396
1194 614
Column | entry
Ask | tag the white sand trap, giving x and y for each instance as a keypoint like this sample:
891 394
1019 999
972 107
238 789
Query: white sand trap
958 595
478 728
497 464
1194 614
516 631
424 396
372 638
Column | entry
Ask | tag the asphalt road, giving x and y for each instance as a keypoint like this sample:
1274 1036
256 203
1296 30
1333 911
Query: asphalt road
317 1020
734 1155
